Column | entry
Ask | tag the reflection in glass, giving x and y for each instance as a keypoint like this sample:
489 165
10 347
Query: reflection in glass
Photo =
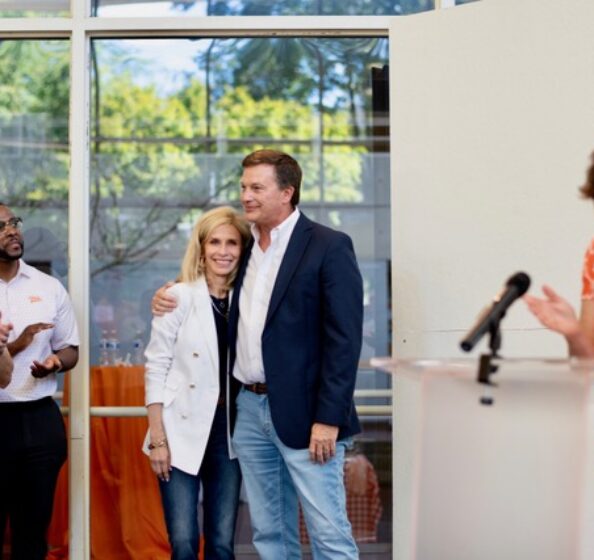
34 158
172 120
170 8
34 8
34 162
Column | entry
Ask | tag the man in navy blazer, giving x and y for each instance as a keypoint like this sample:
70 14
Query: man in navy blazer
295 340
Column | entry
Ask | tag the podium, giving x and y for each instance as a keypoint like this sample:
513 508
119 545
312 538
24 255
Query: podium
510 480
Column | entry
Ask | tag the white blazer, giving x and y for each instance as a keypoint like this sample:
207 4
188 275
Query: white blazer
182 372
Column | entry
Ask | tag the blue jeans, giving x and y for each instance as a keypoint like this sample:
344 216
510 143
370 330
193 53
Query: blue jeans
221 482
277 477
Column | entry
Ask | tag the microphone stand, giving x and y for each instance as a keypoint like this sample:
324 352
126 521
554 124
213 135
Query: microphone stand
486 366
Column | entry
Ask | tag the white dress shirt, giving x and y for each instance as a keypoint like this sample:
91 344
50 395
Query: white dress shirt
254 299
34 297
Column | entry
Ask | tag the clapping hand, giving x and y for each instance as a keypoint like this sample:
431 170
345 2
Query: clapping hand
51 364
5 329
554 312
27 336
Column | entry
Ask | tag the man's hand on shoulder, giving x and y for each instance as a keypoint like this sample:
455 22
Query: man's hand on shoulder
163 302
322 443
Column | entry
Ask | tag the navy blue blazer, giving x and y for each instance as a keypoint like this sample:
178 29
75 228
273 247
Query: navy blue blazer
311 341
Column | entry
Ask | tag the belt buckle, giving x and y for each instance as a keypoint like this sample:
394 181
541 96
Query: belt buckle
257 388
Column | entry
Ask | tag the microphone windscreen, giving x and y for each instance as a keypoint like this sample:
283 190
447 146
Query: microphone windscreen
520 281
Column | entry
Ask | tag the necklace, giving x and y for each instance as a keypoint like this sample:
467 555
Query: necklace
221 306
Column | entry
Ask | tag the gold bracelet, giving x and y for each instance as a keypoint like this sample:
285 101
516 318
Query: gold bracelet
160 443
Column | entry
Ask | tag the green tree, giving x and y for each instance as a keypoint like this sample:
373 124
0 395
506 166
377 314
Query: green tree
266 119
34 100
140 161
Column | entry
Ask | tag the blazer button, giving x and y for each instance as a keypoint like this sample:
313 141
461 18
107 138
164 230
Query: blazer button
195 354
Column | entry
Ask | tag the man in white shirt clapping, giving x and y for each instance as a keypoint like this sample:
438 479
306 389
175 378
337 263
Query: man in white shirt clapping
43 341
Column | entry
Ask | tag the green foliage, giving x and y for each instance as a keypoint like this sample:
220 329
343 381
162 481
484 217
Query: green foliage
275 119
265 118
278 66
140 151
34 99
34 78
193 98
157 154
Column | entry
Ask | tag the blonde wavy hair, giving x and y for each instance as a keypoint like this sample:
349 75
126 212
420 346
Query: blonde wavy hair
193 266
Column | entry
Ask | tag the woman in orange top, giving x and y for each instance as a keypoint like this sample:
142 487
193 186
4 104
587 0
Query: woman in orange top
557 314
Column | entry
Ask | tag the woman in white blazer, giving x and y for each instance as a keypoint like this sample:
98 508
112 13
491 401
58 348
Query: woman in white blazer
185 387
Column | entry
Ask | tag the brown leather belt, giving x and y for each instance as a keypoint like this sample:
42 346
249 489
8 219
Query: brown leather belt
258 388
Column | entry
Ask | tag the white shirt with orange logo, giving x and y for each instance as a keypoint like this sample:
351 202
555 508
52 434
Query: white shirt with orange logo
34 297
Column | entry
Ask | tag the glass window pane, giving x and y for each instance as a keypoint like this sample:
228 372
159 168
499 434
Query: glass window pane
172 119
34 8
175 117
34 164
34 156
170 8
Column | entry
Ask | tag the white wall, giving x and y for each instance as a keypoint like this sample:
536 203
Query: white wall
492 108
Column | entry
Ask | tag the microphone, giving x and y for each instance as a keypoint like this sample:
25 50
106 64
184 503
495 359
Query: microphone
515 287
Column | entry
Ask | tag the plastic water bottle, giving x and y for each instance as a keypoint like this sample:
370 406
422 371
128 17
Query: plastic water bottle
113 348
103 349
138 349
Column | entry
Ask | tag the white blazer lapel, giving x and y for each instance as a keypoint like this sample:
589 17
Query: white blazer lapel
205 317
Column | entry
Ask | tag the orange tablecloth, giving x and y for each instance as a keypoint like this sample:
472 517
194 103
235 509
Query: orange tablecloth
126 514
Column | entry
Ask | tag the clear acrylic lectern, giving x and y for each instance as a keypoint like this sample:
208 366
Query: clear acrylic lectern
493 473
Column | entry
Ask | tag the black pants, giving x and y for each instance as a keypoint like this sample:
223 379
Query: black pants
33 449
